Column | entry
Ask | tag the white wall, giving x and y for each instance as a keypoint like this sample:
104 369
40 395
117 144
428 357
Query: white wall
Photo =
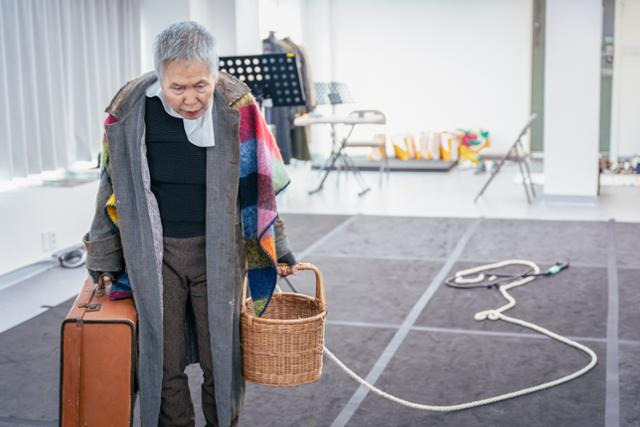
284 17
218 16
625 120
233 23
430 65
247 20
155 16
572 97
27 212
316 38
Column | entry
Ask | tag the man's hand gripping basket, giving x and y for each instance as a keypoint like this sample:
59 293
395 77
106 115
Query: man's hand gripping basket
284 347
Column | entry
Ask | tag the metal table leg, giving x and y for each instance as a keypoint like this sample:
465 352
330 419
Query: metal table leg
347 161
333 158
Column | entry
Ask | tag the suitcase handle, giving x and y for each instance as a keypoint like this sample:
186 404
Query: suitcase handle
84 300
100 290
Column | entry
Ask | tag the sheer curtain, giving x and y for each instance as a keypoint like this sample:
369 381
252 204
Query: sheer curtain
61 61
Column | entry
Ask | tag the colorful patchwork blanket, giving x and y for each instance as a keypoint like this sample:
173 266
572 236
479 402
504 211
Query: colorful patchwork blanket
262 177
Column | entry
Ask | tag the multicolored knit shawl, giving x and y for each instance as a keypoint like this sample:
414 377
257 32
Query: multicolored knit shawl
262 177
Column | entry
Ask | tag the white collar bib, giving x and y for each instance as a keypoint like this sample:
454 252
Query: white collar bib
199 131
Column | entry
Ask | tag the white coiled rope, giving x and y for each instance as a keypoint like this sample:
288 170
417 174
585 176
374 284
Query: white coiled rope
495 314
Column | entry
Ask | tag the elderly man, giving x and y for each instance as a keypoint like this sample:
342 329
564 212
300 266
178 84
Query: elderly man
186 205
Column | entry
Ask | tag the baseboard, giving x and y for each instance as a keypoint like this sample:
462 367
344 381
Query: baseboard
563 199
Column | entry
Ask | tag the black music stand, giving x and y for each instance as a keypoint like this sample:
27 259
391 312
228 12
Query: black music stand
274 78
332 93
519 155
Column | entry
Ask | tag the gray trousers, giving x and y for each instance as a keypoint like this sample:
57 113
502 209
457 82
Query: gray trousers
184 279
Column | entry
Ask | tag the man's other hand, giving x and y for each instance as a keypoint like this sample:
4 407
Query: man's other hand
105 280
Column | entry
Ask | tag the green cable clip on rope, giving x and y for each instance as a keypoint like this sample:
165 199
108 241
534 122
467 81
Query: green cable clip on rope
557 268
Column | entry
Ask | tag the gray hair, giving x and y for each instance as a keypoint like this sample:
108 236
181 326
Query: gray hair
185 41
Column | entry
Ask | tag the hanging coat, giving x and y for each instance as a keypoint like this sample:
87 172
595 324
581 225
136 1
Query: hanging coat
138 240
305 73
281 117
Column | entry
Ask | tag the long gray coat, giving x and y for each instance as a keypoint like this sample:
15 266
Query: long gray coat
140 234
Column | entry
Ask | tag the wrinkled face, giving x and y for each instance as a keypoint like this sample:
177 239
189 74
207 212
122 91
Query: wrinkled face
188 87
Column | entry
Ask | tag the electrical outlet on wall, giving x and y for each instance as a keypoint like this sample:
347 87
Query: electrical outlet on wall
48 240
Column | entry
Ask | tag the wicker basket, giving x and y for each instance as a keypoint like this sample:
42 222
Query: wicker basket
284 347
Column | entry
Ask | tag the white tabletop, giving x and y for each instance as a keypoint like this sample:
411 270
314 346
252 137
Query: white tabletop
346 120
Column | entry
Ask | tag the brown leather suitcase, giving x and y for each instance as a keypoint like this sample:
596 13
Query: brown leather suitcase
98 354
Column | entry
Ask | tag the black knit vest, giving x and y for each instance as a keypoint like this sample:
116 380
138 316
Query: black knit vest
178 172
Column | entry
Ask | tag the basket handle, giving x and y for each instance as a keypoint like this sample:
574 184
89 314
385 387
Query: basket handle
320 294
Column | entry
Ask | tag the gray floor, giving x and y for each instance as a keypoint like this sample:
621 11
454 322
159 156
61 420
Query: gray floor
378 271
